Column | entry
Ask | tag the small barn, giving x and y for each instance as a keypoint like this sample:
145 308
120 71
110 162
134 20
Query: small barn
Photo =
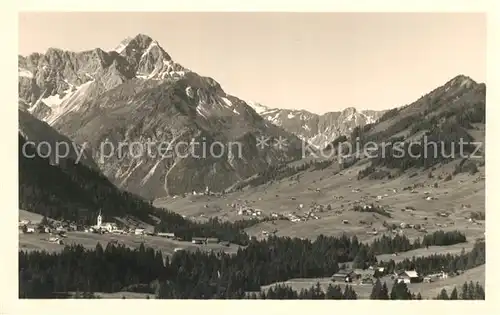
139 231
345 276
408 276
167 235
367 281
212 240
198 240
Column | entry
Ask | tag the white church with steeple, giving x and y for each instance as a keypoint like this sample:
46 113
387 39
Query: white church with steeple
99 219
108 226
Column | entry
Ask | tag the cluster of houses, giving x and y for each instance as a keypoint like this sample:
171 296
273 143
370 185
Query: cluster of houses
27 227
60 228
311 214
293 217
207 192
246 210
112 227
368 276
58 232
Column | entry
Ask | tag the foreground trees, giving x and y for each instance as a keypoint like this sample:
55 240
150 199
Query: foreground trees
213 274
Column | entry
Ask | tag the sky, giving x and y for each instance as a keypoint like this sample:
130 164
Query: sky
320 62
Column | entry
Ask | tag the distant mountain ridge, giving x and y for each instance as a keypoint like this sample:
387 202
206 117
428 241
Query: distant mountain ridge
318 130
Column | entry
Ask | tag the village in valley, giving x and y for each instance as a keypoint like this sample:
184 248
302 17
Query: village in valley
305 210
352 208
40 232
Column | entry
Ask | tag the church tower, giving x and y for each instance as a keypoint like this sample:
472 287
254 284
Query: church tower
99 219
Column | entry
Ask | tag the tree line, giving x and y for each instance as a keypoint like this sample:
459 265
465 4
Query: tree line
439 262
284 292
195 274
468 291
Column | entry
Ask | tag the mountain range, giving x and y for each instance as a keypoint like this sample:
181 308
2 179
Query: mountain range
137 95
111 106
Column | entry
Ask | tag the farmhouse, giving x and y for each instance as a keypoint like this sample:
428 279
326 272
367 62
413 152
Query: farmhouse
364 273
110 227
436 276
377 268
198 240
345 275
367 281
212 240
24 222
139 231
167 235
408 276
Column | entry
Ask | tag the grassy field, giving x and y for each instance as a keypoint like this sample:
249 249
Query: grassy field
286 195
31 242
427 290
27 215
432 250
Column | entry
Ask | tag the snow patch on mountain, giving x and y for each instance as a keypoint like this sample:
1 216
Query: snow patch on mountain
257 107
130 170
150 173
25 73
69 103
227 101
123 44
151 45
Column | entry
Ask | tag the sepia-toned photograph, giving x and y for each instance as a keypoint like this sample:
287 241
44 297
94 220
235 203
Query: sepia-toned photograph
251 155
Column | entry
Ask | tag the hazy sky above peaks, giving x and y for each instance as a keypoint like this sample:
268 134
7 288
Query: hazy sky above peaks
316 61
